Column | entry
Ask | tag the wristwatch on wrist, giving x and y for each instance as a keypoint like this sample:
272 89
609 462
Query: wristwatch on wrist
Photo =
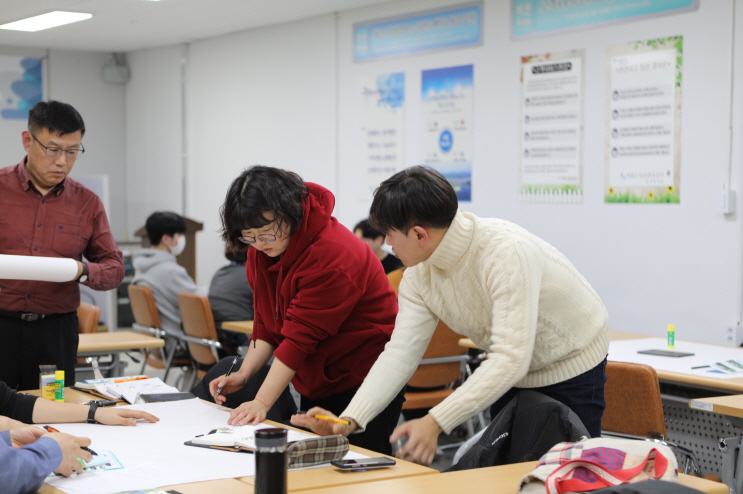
91 412
84 276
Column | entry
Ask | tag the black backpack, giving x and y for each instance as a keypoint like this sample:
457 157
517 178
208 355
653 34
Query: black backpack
527 427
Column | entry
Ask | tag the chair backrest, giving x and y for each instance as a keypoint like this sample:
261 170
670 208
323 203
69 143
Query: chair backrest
198 321
87 316
395 277
444 343
143 306
633 402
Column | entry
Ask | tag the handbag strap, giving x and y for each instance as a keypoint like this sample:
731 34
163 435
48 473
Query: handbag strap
557 483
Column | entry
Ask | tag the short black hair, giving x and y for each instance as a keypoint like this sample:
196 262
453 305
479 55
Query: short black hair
162 223
416 196
367 231
59 118
257 190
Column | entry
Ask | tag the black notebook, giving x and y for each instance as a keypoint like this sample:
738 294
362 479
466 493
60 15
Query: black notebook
157 397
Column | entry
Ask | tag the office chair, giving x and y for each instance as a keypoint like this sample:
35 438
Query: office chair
634 409
147 320
87 316
395 277
201 333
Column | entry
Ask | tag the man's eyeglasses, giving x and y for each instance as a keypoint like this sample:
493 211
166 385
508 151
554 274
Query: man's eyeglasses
54 152
265 237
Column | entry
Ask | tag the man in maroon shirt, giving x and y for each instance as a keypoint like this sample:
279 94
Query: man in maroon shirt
45 213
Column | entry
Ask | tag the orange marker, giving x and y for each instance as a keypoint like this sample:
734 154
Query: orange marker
131 379
332 419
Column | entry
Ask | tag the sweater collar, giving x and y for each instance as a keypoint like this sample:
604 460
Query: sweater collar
455 243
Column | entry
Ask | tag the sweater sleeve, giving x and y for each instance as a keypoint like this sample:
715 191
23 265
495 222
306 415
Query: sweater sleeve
414 327
24 469
15 405
513 279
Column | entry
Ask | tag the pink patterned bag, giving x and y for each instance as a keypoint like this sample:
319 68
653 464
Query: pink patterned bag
597 463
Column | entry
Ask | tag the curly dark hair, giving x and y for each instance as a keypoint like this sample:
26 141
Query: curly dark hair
258 190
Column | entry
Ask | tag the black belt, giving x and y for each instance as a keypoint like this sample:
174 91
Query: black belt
28 316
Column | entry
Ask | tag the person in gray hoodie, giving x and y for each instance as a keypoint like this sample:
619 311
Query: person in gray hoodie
156 266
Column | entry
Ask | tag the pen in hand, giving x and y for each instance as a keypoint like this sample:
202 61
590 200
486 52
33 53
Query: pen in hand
49 428
219 389
325 418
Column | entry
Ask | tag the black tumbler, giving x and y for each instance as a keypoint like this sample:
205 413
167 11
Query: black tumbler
270 461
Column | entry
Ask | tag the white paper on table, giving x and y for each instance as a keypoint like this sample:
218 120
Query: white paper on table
37 268
129 390
153 455
702 363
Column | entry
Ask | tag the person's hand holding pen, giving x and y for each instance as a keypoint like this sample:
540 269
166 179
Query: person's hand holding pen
323 422
74 450
226 384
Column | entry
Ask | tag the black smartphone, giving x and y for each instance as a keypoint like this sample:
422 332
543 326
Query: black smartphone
363 463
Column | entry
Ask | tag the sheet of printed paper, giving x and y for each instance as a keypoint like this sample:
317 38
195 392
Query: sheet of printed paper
552 128
382 143
643 130
153 455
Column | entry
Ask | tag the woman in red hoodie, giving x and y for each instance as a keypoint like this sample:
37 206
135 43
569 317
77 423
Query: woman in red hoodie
323 305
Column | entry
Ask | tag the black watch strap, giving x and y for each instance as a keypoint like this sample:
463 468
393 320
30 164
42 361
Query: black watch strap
91 412
84 275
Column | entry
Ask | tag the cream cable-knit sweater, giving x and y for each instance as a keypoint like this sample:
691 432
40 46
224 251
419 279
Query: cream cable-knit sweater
511 293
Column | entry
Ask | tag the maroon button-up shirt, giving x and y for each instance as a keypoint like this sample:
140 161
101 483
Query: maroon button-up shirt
69 221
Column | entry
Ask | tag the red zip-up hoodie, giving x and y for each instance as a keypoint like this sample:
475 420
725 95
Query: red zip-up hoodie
325 304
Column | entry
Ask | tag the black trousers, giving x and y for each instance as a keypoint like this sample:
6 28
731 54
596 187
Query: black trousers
25 345
375 437
583 394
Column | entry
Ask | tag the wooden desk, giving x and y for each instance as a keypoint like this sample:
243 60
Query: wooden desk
492 480
325 477
239 326
114 343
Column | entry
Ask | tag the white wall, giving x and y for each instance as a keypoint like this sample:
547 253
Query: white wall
154 135
265 96
652 264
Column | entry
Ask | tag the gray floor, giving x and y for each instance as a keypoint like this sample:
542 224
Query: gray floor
176 377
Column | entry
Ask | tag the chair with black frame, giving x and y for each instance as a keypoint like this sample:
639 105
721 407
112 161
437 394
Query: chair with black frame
147 320
634 409
201 333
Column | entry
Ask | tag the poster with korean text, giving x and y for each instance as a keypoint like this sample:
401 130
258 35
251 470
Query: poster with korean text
643 121
551 128
383 104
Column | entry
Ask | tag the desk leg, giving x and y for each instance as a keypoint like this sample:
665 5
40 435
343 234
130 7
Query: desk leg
730 448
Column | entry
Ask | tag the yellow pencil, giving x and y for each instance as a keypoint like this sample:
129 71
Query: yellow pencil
332 419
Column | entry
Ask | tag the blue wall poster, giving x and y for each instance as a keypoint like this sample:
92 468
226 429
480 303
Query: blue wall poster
383 99
552 128
20 86
447 108
532 18
450 27
643 121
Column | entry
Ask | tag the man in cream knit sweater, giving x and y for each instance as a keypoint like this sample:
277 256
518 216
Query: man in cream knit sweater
512 293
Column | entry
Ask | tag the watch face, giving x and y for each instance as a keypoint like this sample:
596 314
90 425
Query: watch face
83 278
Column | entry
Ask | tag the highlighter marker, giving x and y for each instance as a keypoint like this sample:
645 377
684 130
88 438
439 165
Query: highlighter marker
59 385
671 336
332 419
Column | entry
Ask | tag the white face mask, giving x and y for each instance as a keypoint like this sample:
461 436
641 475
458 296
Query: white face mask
176 251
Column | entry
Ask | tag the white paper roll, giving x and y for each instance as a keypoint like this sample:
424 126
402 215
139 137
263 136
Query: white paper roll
35 268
